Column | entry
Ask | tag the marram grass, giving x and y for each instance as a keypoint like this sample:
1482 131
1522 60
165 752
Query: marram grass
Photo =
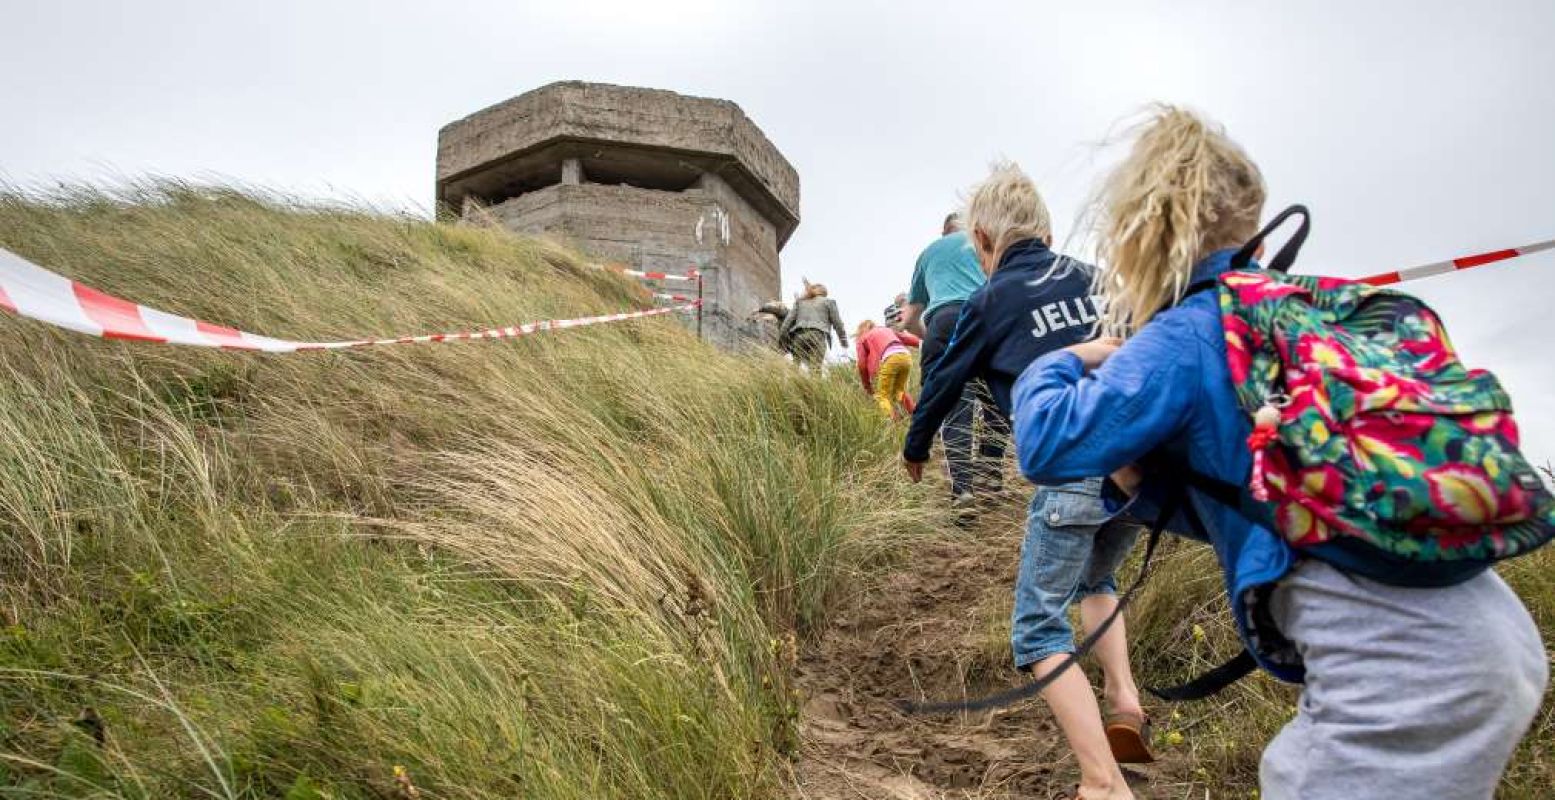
568 566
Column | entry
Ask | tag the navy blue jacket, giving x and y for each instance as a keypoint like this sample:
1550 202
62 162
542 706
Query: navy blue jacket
1035 303
1169 386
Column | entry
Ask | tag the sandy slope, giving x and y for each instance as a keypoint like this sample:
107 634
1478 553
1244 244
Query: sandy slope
935 627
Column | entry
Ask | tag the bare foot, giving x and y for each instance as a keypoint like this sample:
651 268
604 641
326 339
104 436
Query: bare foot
1123 703
1119 791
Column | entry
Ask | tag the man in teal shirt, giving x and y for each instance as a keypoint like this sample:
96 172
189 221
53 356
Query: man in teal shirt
947 273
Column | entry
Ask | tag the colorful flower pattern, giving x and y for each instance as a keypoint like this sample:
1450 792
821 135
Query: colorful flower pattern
1386 436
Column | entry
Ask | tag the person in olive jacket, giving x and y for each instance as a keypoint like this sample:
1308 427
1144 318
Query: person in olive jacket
809 326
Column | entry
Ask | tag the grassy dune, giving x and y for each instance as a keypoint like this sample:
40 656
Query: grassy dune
570 566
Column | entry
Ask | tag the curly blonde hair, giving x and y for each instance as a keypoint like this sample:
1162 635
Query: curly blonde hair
1184 191
1007 208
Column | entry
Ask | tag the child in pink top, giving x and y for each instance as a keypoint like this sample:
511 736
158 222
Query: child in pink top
885 365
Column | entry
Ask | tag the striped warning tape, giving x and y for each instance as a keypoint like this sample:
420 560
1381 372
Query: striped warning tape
31 291
691 276
1466 262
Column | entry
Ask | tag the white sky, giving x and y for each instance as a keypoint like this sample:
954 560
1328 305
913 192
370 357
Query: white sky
1416 131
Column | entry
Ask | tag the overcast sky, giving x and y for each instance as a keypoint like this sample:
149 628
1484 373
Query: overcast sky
1416 131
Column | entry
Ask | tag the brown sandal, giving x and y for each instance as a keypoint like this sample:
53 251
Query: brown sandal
1129 737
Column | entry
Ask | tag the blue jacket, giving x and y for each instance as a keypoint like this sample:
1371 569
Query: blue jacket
1036 302
1169 388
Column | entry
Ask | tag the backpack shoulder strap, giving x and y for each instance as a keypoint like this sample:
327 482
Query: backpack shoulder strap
1222 492
1243 663
1286 257
1210 683
1282 261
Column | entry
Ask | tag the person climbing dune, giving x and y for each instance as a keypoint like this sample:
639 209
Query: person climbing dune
885 365
1421 669
1034 302
809 326
775 311
974 433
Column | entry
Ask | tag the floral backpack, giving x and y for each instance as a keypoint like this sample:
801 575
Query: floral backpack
1367 431
1366 425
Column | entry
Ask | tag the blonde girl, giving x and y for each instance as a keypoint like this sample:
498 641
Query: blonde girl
1411 688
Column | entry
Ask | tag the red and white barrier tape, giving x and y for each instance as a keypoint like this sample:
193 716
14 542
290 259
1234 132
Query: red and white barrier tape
691 276
31 291
1466 262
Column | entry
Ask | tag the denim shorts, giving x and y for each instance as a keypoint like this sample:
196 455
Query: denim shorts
1073 548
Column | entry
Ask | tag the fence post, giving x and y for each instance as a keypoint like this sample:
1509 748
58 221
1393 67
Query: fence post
700 301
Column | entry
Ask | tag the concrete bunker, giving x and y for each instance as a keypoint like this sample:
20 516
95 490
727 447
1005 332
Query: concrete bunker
652 179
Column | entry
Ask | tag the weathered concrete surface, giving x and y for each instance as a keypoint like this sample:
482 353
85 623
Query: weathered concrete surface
654 179
658 231
708 135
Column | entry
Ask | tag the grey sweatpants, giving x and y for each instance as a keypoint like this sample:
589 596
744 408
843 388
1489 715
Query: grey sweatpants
1410 693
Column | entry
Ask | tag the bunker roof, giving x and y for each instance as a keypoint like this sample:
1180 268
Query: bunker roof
621 134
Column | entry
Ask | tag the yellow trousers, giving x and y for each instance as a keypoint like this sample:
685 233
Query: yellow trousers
891 383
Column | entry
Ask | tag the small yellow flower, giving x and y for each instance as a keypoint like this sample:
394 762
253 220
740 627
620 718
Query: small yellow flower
1198 633
408 790
1174 738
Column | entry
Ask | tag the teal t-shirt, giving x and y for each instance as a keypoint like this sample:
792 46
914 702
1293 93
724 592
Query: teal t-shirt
947 272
